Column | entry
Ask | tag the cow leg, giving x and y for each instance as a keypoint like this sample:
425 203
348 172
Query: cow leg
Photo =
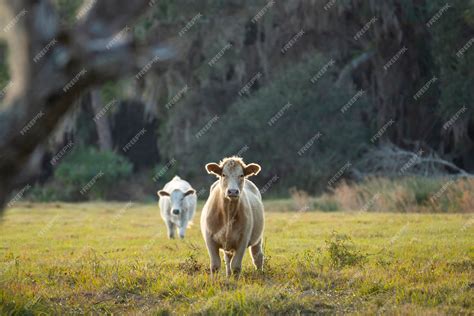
215 259
236 264
171 229
257 255
182 228
227 258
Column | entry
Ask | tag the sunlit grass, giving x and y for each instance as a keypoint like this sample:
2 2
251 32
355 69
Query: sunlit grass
98 258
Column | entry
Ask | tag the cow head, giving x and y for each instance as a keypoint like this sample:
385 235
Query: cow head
232 172
177 199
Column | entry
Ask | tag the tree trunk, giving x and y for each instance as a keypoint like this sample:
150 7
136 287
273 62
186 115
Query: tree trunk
51 66
101 121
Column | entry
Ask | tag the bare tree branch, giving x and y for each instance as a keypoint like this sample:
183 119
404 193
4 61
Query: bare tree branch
389 159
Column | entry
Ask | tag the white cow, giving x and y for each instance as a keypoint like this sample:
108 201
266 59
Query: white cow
177 205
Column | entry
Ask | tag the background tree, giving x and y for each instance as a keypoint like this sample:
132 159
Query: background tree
44 88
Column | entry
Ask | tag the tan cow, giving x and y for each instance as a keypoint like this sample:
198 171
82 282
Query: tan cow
232 218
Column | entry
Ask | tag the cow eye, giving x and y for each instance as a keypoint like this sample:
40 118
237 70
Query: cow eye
241 175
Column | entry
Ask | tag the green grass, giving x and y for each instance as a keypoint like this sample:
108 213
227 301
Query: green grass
87 258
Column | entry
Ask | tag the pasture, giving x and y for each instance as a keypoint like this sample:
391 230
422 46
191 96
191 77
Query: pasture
115 258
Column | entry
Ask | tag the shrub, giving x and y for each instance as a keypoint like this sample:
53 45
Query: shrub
411 194
342 251
87 173
296 129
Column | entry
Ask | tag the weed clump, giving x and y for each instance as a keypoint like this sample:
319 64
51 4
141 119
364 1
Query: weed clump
342 251
190 265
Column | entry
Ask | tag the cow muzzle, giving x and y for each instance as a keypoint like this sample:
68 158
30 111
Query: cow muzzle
233 193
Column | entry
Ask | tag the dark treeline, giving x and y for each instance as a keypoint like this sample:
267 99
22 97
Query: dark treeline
308 89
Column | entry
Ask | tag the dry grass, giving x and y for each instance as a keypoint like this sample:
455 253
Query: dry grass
412 194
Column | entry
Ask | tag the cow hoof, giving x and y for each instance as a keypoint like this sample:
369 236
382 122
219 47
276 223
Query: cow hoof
236 272
214 269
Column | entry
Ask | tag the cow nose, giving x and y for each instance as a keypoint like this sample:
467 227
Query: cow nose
232 192
176 212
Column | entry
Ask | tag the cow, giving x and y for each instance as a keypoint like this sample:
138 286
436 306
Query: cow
232 219
177 205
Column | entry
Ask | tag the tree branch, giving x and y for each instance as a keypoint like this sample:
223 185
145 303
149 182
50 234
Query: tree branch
52 66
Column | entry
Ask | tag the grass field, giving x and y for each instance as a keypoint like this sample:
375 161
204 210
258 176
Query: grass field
115 258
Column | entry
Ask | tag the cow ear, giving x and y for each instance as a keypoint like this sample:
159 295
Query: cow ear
252 169
162 193
213 168
189 192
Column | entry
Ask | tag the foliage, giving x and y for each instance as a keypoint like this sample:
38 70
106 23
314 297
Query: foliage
69 9
450 33
87 165
4 73
342 251
280 123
